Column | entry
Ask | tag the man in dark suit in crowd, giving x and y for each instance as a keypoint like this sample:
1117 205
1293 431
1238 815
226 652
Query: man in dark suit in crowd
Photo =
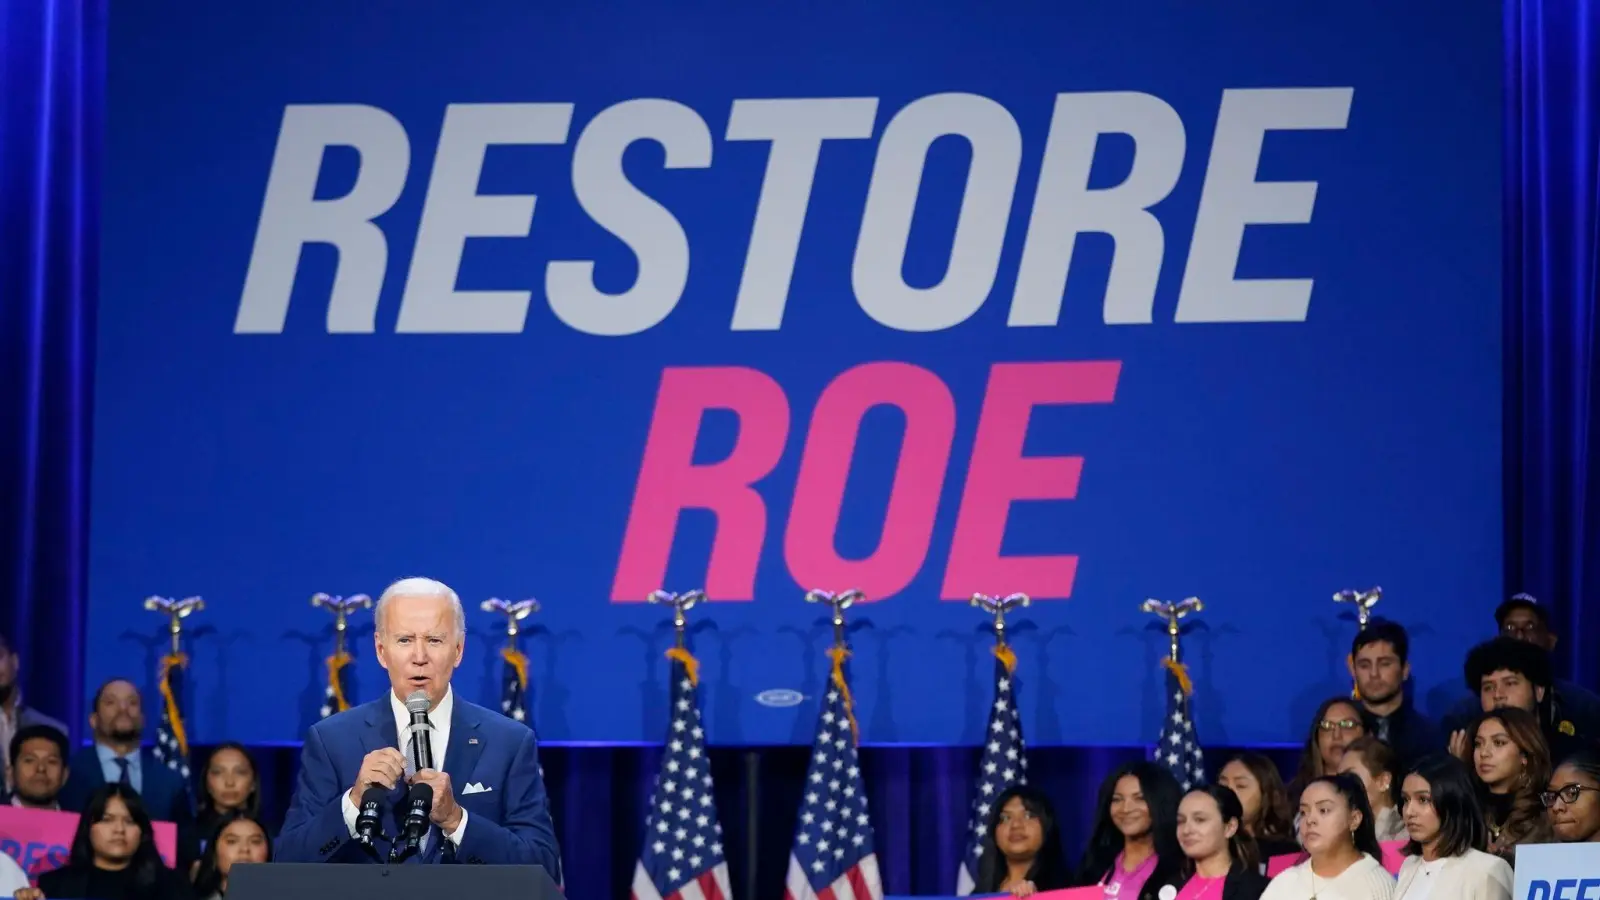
489 803
117 724
1381 665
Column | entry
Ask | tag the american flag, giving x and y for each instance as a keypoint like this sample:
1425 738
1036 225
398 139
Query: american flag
172 746
682 855
334 698
1177 748
1003 765
833 856
514 688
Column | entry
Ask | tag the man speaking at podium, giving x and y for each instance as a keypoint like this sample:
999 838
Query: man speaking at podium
460 783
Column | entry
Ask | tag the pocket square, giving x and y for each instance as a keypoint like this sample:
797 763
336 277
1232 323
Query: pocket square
476 787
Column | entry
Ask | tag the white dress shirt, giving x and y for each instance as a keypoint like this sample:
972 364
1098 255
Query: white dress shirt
440 741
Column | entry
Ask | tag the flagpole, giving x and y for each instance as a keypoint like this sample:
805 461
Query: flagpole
513 613
1184 757
172 711
342 608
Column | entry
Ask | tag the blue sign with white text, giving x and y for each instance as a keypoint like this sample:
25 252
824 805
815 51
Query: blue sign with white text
1093 301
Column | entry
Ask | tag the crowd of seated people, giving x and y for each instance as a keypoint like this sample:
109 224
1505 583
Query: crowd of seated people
1516 765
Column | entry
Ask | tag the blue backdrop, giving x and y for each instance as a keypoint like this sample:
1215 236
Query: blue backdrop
52 58
848 333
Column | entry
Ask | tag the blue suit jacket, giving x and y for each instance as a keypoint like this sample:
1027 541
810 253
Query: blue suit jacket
508 823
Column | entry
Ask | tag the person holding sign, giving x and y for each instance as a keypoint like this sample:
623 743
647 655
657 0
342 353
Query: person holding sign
1221 857
1445 858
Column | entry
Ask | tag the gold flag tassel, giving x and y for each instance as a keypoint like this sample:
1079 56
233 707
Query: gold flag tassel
518 661
839 654
1007 657
1180 672
174 716
1355 687
336 664
691 666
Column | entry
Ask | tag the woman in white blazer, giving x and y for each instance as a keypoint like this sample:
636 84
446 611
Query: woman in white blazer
1445 859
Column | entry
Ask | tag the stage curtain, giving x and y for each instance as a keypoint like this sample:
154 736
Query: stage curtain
52 79
1552 254
52 66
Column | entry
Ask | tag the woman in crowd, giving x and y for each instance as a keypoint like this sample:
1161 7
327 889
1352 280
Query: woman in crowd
1371 760
1511 767
1444 857
239 837
1133 849
1255 779
1336 830
113 855
230 785
1021 846
1220 858
1338 722
1573 798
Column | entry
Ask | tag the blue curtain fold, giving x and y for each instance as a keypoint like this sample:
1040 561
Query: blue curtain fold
52 89
1552 252
52 68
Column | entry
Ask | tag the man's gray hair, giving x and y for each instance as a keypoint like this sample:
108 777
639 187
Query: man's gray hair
421 587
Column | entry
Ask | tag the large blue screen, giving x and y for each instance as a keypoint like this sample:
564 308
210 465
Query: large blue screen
1095 301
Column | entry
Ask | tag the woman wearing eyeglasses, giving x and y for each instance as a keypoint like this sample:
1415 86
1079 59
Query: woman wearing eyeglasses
1573 798
1445 858
1337 724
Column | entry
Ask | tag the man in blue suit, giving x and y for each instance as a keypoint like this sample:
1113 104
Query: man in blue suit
117 723
489 803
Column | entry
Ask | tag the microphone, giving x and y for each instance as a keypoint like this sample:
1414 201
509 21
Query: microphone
418 803
421 731
368 821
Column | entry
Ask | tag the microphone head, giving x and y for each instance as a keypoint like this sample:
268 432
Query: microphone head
418 702
422 796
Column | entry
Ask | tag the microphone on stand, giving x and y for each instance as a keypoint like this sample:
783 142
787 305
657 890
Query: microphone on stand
418 804
368 828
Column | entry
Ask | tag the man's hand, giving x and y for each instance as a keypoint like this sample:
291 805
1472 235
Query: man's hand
384 766
446 812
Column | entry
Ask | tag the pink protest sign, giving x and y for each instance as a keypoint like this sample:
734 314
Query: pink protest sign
40 839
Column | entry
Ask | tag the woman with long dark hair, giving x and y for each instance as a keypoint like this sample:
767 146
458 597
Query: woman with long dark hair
237 837
1444 857
1337 724
1259 786
1133 849
230 784
1511 767
1336 830
1021 846
1220 857
1375 763
113 854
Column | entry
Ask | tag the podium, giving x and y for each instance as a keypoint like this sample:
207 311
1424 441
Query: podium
335 881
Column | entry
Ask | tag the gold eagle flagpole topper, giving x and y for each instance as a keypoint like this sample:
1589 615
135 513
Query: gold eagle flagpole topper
998 607
342 608
1363 601
1172 614
512 704
175 612
840 651
680 605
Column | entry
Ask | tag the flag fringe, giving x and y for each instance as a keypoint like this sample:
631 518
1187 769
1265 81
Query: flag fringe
691 666
839 654
1180 672
174 716
336 664
518 661
1007 657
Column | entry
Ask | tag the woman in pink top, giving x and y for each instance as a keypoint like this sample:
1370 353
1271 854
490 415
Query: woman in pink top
1133 849
1220 855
